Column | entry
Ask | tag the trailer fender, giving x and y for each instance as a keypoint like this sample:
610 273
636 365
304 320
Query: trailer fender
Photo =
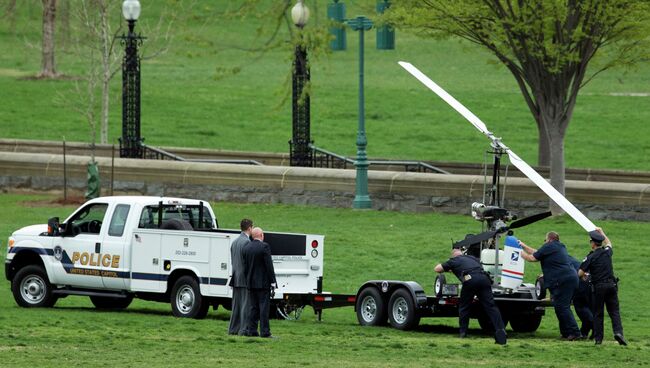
387 287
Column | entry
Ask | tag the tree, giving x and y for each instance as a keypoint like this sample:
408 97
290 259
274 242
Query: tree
48 67
547 45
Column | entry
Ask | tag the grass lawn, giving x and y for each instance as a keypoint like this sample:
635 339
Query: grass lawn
359 245
183 104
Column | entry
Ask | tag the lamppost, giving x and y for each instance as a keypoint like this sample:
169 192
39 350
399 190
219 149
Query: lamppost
130 142
361 198
300 152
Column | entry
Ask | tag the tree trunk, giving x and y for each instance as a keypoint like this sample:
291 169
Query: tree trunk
48 68
555 133
543 147
106 70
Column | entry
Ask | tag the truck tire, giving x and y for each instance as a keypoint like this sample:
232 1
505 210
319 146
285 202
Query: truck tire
186 299
31 288
107 302
176 224
525 322
371 310
402 313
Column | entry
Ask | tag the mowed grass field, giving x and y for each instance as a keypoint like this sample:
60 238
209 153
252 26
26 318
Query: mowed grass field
358 246
185 104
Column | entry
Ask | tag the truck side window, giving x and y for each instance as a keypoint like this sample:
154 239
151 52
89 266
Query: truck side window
118 221
89 219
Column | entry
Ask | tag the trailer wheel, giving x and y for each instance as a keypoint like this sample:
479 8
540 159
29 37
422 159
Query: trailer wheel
371 310
525 322
31 288
186 299
401 310
106 302
438 285
540 288
486 323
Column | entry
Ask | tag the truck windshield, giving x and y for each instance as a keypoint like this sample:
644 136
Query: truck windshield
189 213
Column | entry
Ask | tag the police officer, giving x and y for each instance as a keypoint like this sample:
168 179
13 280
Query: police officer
604 285
476 282
582 302
561 279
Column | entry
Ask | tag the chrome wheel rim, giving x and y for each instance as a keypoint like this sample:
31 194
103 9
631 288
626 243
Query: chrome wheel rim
368 309
400 310
185 299
33 289
437 286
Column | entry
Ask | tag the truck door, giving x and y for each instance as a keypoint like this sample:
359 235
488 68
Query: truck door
114 265
81 244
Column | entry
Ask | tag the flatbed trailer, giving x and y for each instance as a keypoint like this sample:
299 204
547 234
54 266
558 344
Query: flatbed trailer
402 304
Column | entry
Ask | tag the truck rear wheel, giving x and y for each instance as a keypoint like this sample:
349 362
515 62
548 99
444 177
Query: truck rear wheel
107 302
525 322
401 310
31 288
371 310
186 299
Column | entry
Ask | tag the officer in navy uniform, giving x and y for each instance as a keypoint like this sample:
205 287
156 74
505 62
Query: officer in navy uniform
476 282
582 302
604 285
560 278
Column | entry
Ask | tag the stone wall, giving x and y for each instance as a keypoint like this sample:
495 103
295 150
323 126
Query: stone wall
400 191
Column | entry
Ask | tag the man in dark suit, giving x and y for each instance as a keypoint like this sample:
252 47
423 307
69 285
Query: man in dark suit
238 280
260 278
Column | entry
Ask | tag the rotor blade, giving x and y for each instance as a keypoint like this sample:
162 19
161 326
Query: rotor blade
475 239
445 96
556 196
529 220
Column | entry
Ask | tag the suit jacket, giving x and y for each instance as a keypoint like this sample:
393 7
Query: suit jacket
238 278
258 265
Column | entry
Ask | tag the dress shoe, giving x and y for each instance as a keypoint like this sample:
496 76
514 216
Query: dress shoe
269 337
621 340
573 337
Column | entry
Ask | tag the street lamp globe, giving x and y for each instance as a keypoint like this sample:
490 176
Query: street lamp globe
131 9
300 14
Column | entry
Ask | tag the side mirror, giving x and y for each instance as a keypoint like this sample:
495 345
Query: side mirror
53 226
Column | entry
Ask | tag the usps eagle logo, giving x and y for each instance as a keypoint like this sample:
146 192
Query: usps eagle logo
514 256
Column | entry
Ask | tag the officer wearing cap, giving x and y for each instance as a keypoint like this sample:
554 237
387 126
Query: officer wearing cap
604 285
561 279
476 282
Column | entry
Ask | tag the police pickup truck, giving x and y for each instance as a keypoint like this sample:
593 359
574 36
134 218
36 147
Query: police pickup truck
114 249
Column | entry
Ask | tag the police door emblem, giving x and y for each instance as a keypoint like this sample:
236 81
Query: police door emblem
514 256
58 253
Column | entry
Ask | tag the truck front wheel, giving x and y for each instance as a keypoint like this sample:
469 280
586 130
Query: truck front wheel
31 288
401 310
370 308
186 299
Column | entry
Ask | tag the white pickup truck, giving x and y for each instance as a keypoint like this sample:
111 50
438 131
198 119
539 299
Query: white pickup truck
113 249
